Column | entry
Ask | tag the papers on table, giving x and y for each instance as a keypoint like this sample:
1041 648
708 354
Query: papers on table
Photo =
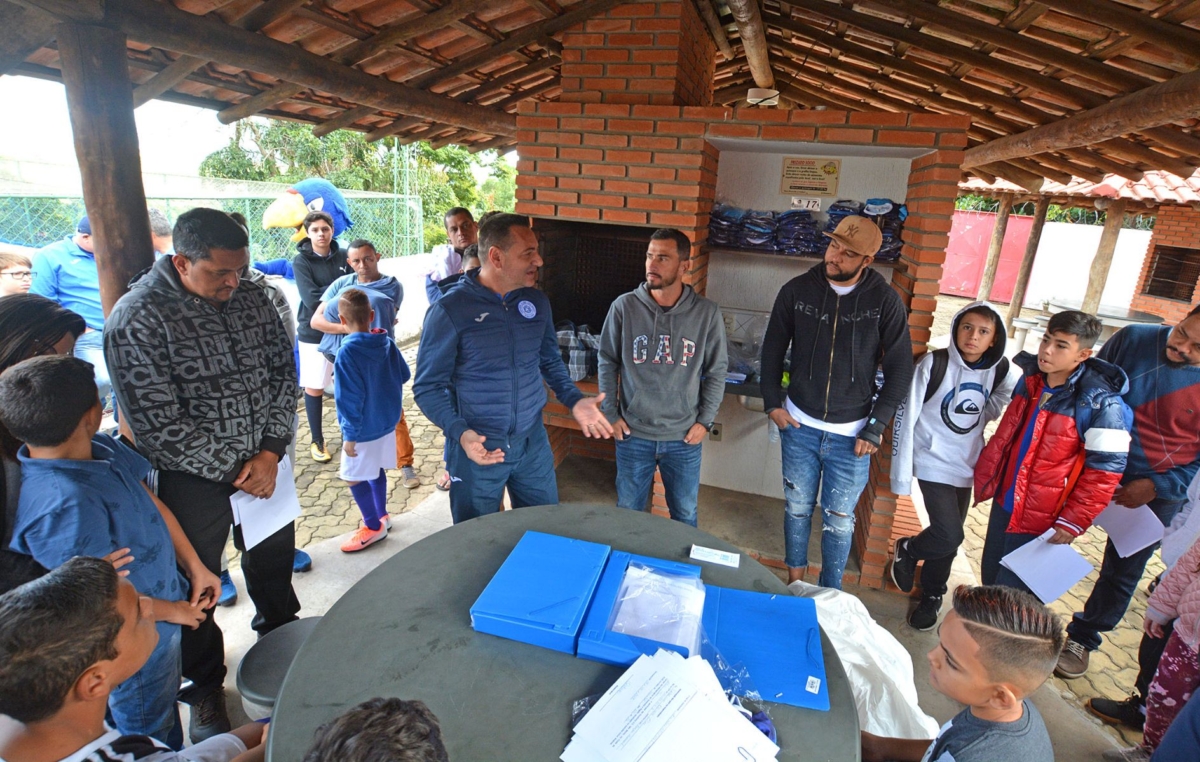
666 708
260 518
1048 570
1130 529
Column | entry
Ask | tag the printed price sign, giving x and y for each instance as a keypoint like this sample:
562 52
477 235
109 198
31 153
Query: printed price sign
808 175
808 204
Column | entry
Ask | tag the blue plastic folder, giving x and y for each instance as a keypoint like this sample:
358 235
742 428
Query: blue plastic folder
777 640
596 641
541 592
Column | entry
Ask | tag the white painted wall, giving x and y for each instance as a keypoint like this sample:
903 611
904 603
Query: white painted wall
750 180
745 459
1064 260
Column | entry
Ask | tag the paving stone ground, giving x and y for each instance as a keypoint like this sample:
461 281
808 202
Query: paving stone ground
329 510
1113 668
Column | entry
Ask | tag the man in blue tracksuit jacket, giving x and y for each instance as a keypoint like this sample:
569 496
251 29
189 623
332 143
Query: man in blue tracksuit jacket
485 349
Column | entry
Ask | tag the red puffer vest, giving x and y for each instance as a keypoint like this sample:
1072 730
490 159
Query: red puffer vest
1075 457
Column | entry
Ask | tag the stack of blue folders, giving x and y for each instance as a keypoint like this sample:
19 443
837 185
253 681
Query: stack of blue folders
839 210
797 234
889 217
560 593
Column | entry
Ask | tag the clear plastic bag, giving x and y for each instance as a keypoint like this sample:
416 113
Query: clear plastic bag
659 606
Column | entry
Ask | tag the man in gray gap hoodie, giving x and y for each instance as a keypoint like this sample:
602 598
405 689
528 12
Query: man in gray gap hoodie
662 371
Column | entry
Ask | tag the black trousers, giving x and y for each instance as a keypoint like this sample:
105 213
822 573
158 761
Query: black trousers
1150 650
202 508
937 544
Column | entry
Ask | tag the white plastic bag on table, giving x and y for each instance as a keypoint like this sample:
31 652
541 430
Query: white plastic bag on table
878 667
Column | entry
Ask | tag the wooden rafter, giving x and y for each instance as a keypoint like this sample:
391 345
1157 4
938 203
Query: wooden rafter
753 33
709 14
25 30
1125 19
164 26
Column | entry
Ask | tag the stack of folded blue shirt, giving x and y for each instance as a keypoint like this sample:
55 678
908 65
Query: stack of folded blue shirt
797 235
758 231
725 226
841 209
889 216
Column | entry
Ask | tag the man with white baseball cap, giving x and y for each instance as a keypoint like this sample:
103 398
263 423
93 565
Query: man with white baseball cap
842 321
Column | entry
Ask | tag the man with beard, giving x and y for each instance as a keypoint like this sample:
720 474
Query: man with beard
666 344
486 348
842 321
1163 365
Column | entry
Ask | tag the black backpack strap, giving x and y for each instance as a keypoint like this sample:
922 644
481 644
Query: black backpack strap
941 359
1001 374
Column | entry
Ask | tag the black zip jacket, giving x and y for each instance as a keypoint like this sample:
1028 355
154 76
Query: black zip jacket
837 343
313 276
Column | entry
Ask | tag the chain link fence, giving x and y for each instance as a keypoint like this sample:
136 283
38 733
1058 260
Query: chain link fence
40 204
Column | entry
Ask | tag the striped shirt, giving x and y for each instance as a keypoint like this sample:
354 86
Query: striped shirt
114 747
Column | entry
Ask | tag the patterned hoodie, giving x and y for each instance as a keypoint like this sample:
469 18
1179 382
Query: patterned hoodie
204 389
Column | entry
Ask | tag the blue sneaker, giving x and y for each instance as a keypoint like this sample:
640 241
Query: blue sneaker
228 591
302 562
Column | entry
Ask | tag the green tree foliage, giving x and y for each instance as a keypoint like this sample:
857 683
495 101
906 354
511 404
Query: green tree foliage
283 152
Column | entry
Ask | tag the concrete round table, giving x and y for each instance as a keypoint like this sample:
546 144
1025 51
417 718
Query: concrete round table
404 630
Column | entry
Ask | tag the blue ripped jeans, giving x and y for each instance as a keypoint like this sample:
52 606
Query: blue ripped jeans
817 461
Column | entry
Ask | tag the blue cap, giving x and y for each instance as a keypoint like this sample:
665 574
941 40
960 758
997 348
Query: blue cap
84 226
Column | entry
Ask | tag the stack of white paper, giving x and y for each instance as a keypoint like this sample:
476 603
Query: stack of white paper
666 708
260 518
1048 570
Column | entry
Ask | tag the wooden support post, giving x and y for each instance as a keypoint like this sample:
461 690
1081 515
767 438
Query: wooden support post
1104 255
748 17
100 101
1031 247
993 256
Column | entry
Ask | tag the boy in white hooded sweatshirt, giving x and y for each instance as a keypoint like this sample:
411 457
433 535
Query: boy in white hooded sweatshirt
951 400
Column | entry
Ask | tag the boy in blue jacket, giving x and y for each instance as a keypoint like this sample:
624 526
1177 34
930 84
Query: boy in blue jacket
369 377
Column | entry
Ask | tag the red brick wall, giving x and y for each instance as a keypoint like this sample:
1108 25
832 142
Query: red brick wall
1174 226
657 53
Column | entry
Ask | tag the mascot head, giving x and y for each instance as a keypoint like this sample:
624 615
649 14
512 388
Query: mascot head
311 195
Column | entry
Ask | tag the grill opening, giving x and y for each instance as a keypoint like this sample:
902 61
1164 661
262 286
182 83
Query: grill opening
588 265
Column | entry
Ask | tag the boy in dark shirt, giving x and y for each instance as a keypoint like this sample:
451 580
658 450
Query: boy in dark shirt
67 640
994 648
83 494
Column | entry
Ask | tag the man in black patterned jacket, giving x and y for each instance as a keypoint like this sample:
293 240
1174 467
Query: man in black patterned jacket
204 376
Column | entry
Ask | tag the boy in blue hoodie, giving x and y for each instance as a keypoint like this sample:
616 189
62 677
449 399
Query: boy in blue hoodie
955 393
1057 456
369 378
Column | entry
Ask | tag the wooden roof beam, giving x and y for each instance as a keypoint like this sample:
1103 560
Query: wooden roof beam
1174 139
344 119
496 143
355 52
393 128
1030 181
25 30
528 35
1170 101
754 40
163 26
963 54
812 99
1105 164
1125 19
1038 167
1071 168
971 92
501 82
709 14
1137 152
959 23
184 66
538 89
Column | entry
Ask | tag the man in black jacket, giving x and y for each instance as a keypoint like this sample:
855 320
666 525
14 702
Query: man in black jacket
319 261
842 321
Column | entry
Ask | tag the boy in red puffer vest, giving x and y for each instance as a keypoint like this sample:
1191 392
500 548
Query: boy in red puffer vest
1060 450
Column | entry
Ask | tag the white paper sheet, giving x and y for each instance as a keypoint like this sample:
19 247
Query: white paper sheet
1048 570
1130 529
260 518
665 708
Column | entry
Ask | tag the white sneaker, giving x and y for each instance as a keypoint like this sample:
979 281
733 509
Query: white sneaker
409 477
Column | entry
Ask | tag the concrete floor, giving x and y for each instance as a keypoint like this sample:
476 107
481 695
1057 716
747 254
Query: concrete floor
1076 736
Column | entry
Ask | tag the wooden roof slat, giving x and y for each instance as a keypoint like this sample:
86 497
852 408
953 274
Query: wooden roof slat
951 50
25 31
1136 152
393 128
1125 19
343 120
356 52
709 14
252 21
164 26
1098 71
1105 164
526 36
499 83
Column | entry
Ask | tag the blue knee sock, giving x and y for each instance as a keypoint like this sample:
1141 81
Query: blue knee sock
379 487
365 497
